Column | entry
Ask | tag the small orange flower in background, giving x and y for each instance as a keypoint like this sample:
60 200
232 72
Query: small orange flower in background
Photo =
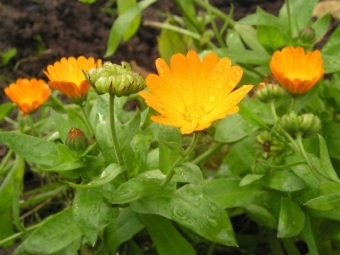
27 94
296 71
191 94
67 76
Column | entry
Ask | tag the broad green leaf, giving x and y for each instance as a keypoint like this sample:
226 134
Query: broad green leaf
55 233
165 237
130 130
300 14
109 174
323 203
168 156
331 63
261 215
270 37
7 56
228 192
134 189
104 141
192 209
169 43
325 162
33 149
263 18
233 40
331 47
62 125
188 172
122 23
332 137
233 128
76 119
86 212
67 166
5 109
7 228
291 219
321 27
250 178
252 117
285 181
248 35
122 6
122 229
241 56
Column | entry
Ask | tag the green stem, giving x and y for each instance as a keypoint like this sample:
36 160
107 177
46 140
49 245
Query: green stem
115 139
211 248
171 173
57 103
288 136
30 119
214 26
87 121
289 17
205 155
273 110
4 161
290 246
292 105
309 238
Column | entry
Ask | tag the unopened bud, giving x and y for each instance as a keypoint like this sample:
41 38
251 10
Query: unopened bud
76 140
115 79
260 166
307 35
271 146
269 92
306 124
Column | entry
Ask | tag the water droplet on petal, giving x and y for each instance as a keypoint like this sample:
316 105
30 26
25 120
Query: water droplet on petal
171 96
219 86
219 69
184 84
232 84
212 98
161 70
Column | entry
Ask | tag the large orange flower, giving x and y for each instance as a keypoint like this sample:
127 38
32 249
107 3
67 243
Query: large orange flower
67 75
191 94
296 71
28 94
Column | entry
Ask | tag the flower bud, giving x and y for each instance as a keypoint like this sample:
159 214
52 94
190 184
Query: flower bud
260 166
269 92
307 35
76 140
115 79
306 124
271 146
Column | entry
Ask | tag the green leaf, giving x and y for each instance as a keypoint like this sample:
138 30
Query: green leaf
7 56
270 37
122 23
104 141
62 125
250 178
76 119
109 174
134 189
263 18
188 172
192 209
331 47
55 233
233 128
67 166
285 181
130 130
233 40
86 212
331 63
33 149
321 26
248 35
327 202
325 162
7 228
121 229
291 219
261 215
252 117
165 237
5 109
228 192
169 43
122 6
332 137
167 156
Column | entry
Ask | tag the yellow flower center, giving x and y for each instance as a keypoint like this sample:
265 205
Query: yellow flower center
193 114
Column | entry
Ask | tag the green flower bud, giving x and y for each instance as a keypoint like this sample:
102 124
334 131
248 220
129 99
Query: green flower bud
260 166
307 35
115 79
76 140
306 124
271 146
269 92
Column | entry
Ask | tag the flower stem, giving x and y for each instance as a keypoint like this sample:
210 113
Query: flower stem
290 246
171 173
205 155
292 105
289 17
115 139
273 110
309 238
30 119
4 161
87 121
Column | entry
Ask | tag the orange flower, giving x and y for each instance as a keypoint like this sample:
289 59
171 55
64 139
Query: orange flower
28 94
296 71
67 76
191 94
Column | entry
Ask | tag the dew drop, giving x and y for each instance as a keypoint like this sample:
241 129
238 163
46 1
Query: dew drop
171 96
213 208
94 210
161 70
179 213
212 98
219 69
160 84
232 84
219 86
212 222
184 84
109 144
202 74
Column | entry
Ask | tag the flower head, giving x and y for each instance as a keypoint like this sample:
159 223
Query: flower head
296 71
28 94
191 94
67 76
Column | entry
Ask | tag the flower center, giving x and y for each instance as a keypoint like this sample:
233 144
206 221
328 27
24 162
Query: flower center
193 114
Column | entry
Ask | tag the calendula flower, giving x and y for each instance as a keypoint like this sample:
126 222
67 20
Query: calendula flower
191 94
28 94
296 71
67 76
